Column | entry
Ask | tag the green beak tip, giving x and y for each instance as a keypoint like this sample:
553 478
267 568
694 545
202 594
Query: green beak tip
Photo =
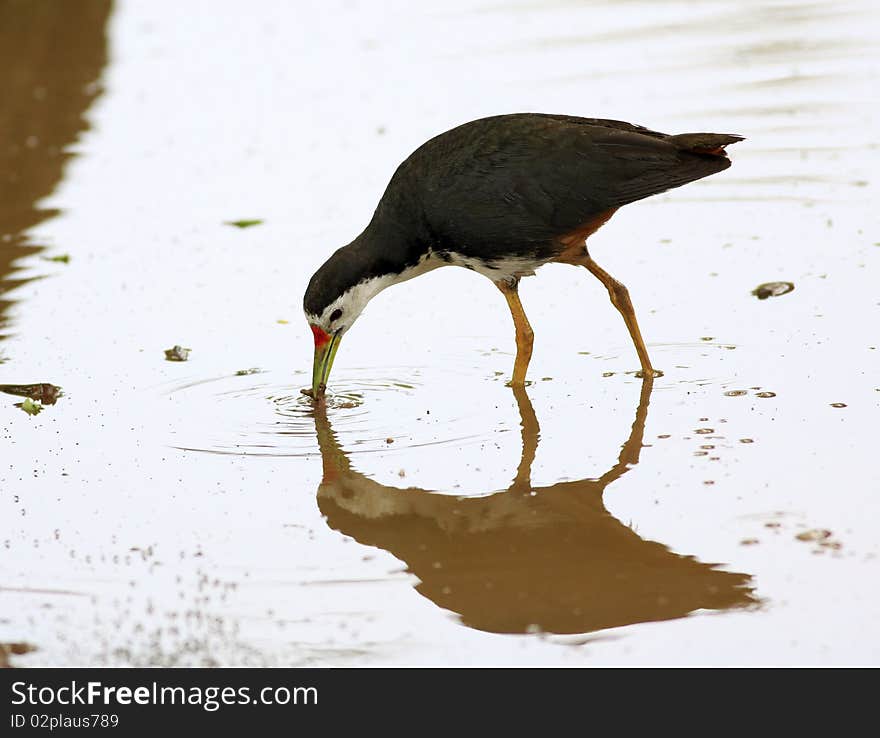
324 356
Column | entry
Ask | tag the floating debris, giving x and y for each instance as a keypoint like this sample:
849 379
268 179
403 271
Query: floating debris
389 440
177 353
749 542
821 537
765 394
814 534
246 372
282 321
30 407
244 223
61 258
772 289
43 392
735 393
13 649
838 404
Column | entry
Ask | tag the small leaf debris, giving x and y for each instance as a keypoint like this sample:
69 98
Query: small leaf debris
244 223
61 258
246 372
772 289
30 407
177 353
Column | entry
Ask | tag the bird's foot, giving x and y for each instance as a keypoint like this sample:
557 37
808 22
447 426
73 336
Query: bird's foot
652 373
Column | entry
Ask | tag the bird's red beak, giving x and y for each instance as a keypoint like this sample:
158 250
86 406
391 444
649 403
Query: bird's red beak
321 337
325 351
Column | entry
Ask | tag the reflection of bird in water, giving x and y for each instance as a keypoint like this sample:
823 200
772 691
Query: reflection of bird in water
547 558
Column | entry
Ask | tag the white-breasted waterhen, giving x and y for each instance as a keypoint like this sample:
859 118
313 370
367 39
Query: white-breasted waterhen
503 196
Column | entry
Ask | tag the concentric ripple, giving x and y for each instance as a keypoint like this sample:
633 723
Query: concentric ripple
264 414
682 363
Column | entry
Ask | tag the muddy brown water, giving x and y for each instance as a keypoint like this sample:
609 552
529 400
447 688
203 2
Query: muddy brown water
201 511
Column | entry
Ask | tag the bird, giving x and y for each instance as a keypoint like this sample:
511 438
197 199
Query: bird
503 196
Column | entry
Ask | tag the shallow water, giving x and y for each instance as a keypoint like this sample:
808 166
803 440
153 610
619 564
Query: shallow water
200 513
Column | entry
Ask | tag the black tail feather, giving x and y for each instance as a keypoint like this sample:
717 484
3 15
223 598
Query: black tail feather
704 143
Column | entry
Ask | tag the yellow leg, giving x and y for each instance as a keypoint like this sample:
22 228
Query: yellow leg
524 334
620 299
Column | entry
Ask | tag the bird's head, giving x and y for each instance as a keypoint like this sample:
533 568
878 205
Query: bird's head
328 326
335 297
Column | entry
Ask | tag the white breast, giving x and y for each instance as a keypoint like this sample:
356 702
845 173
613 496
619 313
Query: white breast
506 269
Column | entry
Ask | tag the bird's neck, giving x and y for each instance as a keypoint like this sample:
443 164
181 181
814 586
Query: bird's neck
388 252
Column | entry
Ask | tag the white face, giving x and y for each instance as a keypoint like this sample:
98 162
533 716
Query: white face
341 314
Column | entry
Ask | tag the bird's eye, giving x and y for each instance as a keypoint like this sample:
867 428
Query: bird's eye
336 315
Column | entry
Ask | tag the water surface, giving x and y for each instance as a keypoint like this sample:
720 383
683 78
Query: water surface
199 512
